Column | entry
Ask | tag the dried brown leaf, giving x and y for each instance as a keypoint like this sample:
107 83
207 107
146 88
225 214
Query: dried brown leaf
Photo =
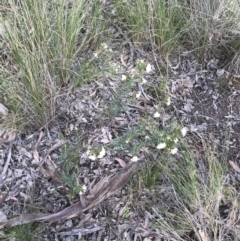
35 152
121 162
52 169
47 167
24 152
36 156
9 135
234 166
39 139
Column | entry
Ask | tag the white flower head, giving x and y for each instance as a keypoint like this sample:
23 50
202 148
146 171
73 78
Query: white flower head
156 115
148 68
134 159
176 140
174 150
92 157
138 94
102 153
84 189
124 77
184 131
95 55
104 46
168 101
144 81
147 137
133 71
127 141
161 146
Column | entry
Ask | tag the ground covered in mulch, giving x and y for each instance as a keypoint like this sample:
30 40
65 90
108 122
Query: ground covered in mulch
74 173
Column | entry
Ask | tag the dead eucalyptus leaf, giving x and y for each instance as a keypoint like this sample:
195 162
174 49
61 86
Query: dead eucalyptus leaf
35 152
51 169
121 162
234 166
24 152
9 135
35 156
39 139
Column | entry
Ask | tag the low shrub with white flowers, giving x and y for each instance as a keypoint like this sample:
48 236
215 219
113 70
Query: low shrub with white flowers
148 134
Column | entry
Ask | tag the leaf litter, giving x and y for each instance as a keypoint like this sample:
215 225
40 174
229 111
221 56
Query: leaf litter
31 164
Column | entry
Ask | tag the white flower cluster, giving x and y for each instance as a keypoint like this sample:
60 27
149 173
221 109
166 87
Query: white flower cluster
174 150
84 189
156 115
148 68
134 159
161 146
184 131
168 101
138 94
124 77
93 156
